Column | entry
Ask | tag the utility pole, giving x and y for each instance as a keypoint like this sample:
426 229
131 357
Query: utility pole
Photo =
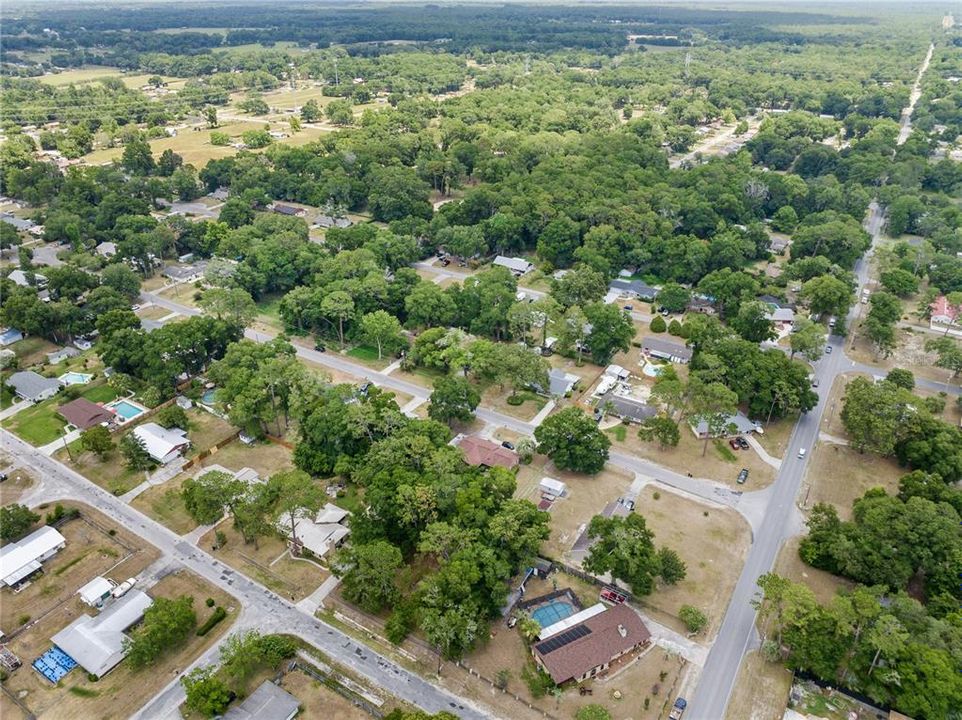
337 81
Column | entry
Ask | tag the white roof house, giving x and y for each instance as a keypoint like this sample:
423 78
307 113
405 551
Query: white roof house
19 560
617 372
97 643
19 277
550 486
331 513
161 444
96 591
519 266
106 249
321 534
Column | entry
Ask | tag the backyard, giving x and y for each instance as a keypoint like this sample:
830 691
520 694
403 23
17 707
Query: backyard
165 504
40 424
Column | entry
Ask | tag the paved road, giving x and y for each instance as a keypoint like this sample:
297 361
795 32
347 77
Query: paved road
262 608
782 519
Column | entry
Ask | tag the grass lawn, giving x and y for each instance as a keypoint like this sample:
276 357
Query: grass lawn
206 430
823 584
90 551
368 355
267 562
496 398
761 691
269 315
39 424
123 691
111 473
265 458
839 475
101 393
165 504
32 350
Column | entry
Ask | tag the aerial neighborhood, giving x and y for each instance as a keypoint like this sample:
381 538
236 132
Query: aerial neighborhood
525 361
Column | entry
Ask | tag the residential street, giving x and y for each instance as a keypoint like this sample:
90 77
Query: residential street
262 608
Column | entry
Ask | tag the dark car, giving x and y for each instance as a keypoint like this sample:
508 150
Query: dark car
742 443
444 263
320 347
508 445
742 476
735 445
629 308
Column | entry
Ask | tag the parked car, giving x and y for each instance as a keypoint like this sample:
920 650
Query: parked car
828 349
742 476
629 308
735 445
444 263
508 445
742 442
320 347
678 709
814 382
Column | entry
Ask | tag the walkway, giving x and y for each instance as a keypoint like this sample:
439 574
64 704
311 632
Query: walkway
315 600
60 443
762 452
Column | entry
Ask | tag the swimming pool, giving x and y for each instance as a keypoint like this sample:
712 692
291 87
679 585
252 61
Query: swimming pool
651 370
75 378
209 396
126 409
552 612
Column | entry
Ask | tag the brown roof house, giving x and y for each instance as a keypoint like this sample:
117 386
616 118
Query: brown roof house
578 652
83 414
478 451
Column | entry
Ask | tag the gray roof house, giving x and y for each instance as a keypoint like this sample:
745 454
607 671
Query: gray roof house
559 382
742 425
58 356
17 223
519 266
327 221
666 349
20 278
32 386
106 249
627 408
186 273
267 702
633 288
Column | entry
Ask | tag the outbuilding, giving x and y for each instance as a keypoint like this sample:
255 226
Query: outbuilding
19 560
552 487
96 591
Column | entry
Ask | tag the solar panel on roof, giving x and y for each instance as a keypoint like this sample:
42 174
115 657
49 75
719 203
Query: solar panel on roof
562 639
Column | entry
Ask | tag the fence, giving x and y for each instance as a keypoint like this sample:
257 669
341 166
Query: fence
471 671
334 685
211 450
588 578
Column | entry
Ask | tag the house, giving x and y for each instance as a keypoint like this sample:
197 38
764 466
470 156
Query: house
161 444
9 336
663 349
19 560
106 249
21 278
701 305
33 387
779 245
318 537
559 382
326 221
18 223
518 266
83 414
622 287
552 487
589 647
97 642
288 210
96 591
485 453
742 426
945 316
186 273
198 209
627 408
58 356
617 372
781 316
267 702
149 325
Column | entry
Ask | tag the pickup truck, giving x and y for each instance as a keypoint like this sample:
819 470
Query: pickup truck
678 709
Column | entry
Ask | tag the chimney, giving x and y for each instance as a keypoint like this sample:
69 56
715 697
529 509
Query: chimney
622 630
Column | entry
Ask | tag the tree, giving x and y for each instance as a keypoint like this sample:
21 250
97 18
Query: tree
383 330
624 547
611 331
453 398
695 620
396 193
948 354
206 496
673 297
297 496
137 158
872 413
901 378
97 440
711 403
338 305
573 441
15 520
785 219
311 111
658 324
295 123
135 453
219 139
661 428
752 322
339 112
172 416
592 712
580 286
122 279
207 694
167 624
368 573
231 304
900 282
210 115
807 338
671 568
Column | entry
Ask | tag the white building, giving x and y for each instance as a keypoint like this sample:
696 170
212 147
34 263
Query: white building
97 643
161 444
519 266
320 535
552 487
96 591
20 560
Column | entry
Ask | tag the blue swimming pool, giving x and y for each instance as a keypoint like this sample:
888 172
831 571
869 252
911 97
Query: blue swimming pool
126 410
552 612
75 378
209 397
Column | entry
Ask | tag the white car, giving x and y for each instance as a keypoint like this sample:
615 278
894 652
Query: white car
801 453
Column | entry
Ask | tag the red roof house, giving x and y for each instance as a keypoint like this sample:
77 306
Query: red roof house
478 451
83 414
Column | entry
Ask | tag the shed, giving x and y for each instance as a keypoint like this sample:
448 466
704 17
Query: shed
19 560
96 591
617 372
550 486
106 249
10 336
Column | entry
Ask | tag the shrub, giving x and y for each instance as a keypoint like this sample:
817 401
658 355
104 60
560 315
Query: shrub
23 620
501 679
210 602
538 681
675 328
656 495
658 324
693 618
514 400
218 615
